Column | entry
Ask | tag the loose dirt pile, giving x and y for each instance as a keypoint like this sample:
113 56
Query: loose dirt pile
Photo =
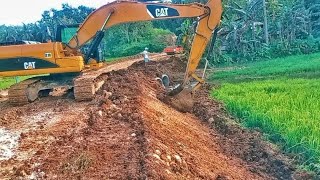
128 132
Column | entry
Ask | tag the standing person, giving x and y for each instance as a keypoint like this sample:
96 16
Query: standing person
146 56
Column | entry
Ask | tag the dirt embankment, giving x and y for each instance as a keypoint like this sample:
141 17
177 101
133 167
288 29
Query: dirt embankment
127 132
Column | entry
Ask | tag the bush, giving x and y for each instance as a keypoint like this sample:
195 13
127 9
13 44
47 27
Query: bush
155 39
274 50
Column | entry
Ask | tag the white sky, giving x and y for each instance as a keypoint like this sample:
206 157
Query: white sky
14 12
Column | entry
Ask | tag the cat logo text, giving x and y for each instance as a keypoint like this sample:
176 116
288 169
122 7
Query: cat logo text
162 12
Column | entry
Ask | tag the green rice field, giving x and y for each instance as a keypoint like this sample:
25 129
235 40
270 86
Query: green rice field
281 97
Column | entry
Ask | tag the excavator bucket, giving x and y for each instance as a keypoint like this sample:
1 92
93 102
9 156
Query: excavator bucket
181 99
176 90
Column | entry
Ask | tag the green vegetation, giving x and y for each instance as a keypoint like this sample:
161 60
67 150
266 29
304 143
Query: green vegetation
250 30
8 81
286 109
280 96
259 29
285 104
129 39
306 66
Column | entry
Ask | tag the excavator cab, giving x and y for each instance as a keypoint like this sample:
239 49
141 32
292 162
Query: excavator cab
64 34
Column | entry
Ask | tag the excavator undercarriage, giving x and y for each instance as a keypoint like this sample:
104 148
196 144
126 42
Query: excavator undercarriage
31 89
83 87
24 92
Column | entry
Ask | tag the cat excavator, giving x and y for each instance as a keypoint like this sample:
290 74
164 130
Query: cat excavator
66 62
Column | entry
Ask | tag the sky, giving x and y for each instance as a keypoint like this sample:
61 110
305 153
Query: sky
16 12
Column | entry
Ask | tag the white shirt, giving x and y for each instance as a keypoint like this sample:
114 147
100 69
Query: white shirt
145 52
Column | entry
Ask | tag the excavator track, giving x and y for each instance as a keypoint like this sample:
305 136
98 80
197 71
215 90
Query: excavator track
86 86
24 92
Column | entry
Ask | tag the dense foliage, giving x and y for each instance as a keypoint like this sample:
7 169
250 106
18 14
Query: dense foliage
121 40
129 39
250 30
288 27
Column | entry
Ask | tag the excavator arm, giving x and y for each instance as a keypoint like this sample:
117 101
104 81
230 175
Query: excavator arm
119 12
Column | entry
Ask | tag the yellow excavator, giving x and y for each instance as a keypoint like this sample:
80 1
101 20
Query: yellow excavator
68 59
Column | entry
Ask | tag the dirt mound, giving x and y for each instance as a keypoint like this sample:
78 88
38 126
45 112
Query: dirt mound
174 145
127 132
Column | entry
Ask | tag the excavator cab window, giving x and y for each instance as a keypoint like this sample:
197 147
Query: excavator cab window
65 32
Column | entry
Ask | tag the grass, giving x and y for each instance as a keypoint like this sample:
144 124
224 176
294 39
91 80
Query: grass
108 60
282 98
6 82
305 66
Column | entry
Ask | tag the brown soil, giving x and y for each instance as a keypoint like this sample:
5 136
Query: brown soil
129 132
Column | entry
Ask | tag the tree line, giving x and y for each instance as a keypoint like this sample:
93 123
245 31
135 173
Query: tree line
119 41
250 30
258 29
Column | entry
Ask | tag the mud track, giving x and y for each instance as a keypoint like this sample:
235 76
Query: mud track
129 132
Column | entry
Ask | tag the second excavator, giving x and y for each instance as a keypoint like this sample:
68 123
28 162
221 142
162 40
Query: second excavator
68 60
